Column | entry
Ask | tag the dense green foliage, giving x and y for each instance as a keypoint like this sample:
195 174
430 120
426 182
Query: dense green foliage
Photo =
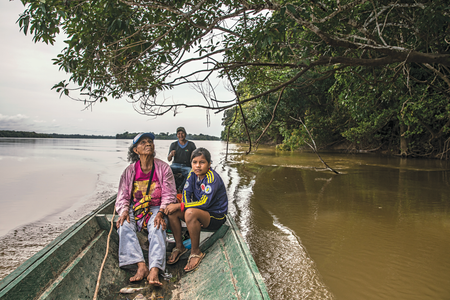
125 135
375 110
362 74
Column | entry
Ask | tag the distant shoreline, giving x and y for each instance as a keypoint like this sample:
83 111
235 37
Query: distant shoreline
125 135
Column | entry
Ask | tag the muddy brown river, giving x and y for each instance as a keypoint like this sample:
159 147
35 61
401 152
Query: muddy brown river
379 230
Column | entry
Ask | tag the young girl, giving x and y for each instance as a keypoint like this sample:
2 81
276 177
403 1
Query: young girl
204 205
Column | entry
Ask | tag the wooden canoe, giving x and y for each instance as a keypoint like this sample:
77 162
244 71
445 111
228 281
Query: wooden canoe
68 267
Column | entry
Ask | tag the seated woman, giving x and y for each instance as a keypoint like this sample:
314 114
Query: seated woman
145 189
204 205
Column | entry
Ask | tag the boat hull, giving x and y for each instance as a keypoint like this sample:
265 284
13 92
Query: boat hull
68 267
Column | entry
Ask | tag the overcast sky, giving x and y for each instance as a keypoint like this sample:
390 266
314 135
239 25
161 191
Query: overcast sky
27 102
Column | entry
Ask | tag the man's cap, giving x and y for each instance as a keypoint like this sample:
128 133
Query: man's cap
181 129
141 135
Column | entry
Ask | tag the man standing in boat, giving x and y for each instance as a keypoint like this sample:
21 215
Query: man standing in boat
180 151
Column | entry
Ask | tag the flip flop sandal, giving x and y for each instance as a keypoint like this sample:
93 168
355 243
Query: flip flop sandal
178 256
197 264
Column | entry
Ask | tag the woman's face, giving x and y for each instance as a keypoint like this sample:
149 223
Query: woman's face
145 146
200 166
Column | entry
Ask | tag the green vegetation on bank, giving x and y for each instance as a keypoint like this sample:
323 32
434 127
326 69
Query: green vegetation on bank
32 134
125 135
167 136
361 75
377 110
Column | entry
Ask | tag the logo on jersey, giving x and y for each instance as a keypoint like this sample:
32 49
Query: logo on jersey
186 185
203 187
208 189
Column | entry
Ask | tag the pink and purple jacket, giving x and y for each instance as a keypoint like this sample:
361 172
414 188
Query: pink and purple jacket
166 181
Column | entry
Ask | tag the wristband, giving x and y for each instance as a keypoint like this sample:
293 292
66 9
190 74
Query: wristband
182 206
160 211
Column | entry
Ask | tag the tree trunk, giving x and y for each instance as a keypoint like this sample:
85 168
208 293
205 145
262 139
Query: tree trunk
403 141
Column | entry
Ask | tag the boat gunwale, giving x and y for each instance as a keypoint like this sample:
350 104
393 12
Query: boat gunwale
250 262
16 278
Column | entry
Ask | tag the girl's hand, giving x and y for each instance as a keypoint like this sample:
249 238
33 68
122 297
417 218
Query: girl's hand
159 220
172 208
125 216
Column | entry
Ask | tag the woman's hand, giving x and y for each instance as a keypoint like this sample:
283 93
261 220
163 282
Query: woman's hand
159 220
124 216
172 208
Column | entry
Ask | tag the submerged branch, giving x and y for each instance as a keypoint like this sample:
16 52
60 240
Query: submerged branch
314 147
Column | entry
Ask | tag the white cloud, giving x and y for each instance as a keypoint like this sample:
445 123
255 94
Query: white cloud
16 118
17 122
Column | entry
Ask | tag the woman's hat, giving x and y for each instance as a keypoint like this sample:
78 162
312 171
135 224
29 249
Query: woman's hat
141 135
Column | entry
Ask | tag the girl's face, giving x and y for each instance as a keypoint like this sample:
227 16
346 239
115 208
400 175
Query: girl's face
200 166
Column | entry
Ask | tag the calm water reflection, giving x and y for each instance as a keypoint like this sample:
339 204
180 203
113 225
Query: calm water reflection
381 230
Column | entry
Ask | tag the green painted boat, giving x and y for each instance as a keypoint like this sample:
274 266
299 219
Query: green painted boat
68 267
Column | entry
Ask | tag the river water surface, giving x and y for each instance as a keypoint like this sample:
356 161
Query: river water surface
379 230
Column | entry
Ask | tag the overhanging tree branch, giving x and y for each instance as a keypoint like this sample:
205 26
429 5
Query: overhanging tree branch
137 49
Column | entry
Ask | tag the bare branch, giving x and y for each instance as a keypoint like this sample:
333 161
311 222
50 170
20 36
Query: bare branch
442 76
273 117
346 7
314 148
158 5
242 113
378 25
228 132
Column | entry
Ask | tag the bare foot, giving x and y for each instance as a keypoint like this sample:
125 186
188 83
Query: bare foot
175 255
153 277
193 261
141 273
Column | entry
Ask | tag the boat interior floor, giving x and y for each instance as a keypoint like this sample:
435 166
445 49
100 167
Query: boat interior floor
69 267
169 279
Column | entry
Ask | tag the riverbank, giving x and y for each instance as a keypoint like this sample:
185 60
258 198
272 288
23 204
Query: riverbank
124 136
347 147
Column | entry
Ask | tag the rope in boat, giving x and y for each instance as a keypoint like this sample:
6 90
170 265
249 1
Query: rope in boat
106 255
